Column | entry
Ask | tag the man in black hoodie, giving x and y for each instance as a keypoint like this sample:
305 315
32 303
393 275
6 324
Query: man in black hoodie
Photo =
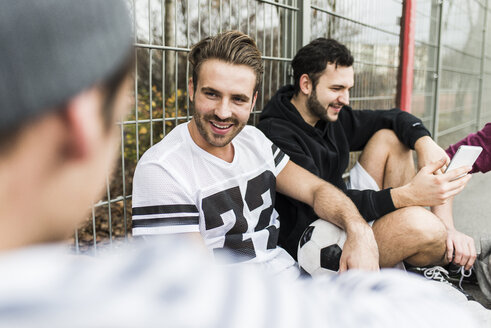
312 123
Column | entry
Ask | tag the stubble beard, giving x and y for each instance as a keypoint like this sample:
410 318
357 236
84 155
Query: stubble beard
316 108
213 139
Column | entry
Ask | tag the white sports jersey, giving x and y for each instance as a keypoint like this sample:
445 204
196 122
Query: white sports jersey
178 187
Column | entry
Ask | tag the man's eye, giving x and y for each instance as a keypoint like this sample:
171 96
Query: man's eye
238 99
210 94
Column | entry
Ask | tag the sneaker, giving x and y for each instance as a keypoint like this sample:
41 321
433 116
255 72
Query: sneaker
457 274
438 273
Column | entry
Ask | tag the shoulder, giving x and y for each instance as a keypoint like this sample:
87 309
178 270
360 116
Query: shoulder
251 132
271 123
487 129
167 148
164 159
283 131
253 140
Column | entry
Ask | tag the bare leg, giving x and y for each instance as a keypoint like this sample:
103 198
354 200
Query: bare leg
387 160
412 234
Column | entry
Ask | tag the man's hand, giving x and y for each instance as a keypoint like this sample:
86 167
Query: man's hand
428 151
463 246
461 249
360 251
429 189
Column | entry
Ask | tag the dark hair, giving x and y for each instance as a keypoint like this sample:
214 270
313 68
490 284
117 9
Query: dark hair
232 47
313 58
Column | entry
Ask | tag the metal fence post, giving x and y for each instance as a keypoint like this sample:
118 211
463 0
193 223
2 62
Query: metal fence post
406 64
303 31
438 72
481 77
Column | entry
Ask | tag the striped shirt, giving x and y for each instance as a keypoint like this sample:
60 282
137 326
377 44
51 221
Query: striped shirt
172 284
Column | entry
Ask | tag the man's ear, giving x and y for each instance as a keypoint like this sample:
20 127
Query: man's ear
305 84
191 89
83 123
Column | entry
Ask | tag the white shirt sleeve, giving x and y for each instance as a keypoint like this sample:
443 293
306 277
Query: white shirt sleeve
279 157
160 203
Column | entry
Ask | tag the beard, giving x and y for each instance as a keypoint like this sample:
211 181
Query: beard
317 109
217 140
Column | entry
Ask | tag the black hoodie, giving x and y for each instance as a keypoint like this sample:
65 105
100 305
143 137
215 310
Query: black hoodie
324 151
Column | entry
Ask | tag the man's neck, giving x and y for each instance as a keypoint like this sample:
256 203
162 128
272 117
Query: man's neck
225 153
300 103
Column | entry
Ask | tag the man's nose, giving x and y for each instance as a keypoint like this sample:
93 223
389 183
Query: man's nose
344 98
222 110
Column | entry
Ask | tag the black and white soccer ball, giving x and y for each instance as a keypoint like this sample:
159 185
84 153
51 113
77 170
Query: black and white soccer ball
320 247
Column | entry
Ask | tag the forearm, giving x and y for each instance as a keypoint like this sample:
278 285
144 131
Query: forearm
423 142
445 213
360 249
403 197
461 249
327 201
331 204
427 151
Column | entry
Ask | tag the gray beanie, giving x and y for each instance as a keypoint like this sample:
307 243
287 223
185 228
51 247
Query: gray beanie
50 50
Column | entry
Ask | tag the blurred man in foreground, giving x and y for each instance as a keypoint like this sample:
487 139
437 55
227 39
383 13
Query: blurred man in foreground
63 85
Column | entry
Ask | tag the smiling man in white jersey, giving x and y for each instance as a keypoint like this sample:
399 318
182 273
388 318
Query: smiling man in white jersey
216 178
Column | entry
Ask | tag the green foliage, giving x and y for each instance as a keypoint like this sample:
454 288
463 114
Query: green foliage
150 121
143 127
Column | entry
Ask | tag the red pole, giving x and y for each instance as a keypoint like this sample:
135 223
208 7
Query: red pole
407 55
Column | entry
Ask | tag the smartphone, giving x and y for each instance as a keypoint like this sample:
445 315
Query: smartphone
465 156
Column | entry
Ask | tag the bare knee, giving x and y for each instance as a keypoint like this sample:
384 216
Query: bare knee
412 234
389 139
382 145
430 233
426 225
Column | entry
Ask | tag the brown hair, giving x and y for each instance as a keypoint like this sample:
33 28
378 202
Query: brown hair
232 47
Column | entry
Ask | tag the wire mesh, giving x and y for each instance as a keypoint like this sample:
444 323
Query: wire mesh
373 40
165 30
486 89
462 42
425 60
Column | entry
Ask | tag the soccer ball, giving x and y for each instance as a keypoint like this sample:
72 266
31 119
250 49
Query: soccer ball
320 247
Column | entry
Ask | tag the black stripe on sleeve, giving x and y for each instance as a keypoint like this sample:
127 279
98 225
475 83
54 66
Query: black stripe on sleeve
165 209
165 222
279 158
274 148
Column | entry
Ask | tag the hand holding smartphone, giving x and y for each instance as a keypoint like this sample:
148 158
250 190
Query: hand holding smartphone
465 156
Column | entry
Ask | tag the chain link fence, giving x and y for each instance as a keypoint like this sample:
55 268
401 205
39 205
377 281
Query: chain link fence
452 71
452 67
